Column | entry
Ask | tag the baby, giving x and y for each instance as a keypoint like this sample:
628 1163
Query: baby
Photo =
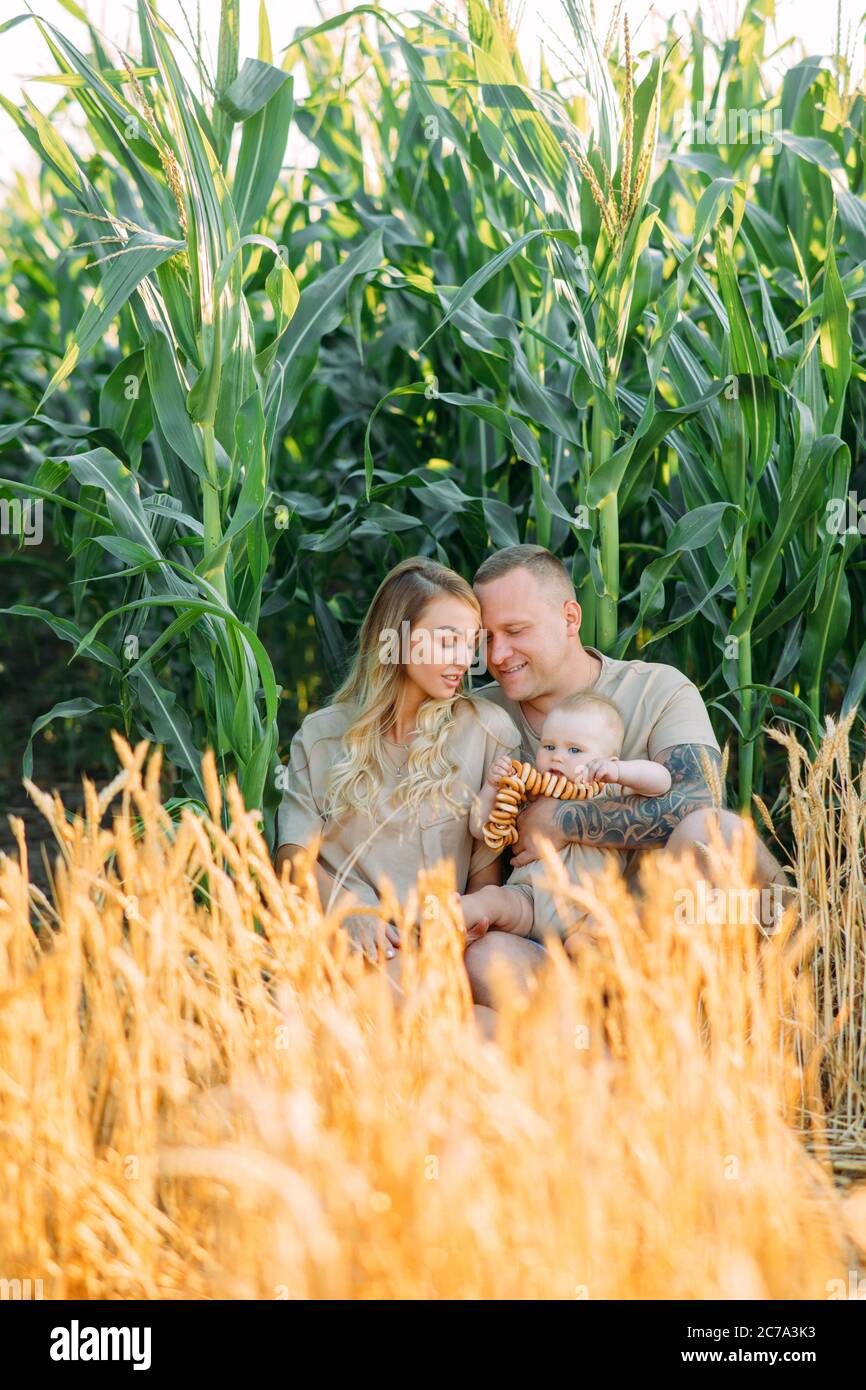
582 738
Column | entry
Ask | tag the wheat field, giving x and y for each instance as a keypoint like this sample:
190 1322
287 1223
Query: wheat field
204 1094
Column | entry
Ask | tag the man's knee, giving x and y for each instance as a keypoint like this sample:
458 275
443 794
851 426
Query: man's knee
696 829
696 832
478 962
484 960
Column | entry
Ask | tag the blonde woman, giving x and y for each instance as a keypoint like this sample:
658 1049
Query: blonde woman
386 775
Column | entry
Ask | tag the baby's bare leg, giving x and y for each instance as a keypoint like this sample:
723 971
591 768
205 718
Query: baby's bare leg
505 908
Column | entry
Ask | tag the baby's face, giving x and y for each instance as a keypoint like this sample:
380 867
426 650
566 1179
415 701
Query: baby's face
568 740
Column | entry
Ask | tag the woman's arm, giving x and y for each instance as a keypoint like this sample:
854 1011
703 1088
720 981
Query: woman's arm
491 873
324 880
285 855
364 926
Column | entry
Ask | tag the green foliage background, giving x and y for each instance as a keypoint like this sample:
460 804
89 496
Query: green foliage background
245 390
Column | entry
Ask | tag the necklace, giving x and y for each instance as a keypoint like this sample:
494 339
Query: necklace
402 743
392 745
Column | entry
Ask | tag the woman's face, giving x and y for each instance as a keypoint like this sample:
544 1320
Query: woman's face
443 644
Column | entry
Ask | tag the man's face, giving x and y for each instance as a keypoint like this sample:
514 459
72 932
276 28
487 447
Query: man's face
528 627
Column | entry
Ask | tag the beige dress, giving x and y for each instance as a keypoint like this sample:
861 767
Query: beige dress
359 851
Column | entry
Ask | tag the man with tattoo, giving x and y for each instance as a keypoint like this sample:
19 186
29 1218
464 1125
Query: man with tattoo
531 620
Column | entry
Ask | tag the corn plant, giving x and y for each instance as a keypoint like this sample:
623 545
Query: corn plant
538 308
666 354
170 222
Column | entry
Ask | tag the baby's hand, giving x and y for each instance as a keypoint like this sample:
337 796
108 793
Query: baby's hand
598 770
501 768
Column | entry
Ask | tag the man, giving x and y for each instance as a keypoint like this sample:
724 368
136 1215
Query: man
531 620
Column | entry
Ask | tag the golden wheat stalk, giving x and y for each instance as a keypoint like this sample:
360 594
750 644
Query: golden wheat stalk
205 1093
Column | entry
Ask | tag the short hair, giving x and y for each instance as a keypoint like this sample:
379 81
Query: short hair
547 568
589 699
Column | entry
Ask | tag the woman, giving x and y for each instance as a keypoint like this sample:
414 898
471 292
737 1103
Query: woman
387 773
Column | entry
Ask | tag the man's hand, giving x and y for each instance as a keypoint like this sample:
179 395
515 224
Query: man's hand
537 821
627 822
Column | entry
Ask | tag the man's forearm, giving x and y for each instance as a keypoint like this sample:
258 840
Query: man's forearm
642 822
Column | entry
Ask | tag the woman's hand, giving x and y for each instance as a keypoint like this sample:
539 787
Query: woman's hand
367 930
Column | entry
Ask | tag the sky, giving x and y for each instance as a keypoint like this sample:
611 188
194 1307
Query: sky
811 24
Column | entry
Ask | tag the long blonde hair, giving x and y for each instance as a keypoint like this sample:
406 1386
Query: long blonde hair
374 686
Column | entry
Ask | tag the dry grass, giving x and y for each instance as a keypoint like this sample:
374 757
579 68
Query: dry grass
828 818
203 1094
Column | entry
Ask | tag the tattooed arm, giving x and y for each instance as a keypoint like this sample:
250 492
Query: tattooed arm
630 822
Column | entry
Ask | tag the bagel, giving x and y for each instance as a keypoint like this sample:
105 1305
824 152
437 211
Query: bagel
515 783
522 782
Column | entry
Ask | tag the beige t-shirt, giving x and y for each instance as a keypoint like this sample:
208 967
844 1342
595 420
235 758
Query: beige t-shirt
359 851
659 707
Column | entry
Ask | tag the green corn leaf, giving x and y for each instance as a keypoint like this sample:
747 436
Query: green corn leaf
697 528
124 402
64 629
55 147
141 255
319 311
856 683
66 709
747 361
100 469
170 724
263 148
227 68
799 494
252 89
481 277
607 478
266 52
835 339
169 395
826 627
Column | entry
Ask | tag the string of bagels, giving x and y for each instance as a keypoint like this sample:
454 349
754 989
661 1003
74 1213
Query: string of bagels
522 783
